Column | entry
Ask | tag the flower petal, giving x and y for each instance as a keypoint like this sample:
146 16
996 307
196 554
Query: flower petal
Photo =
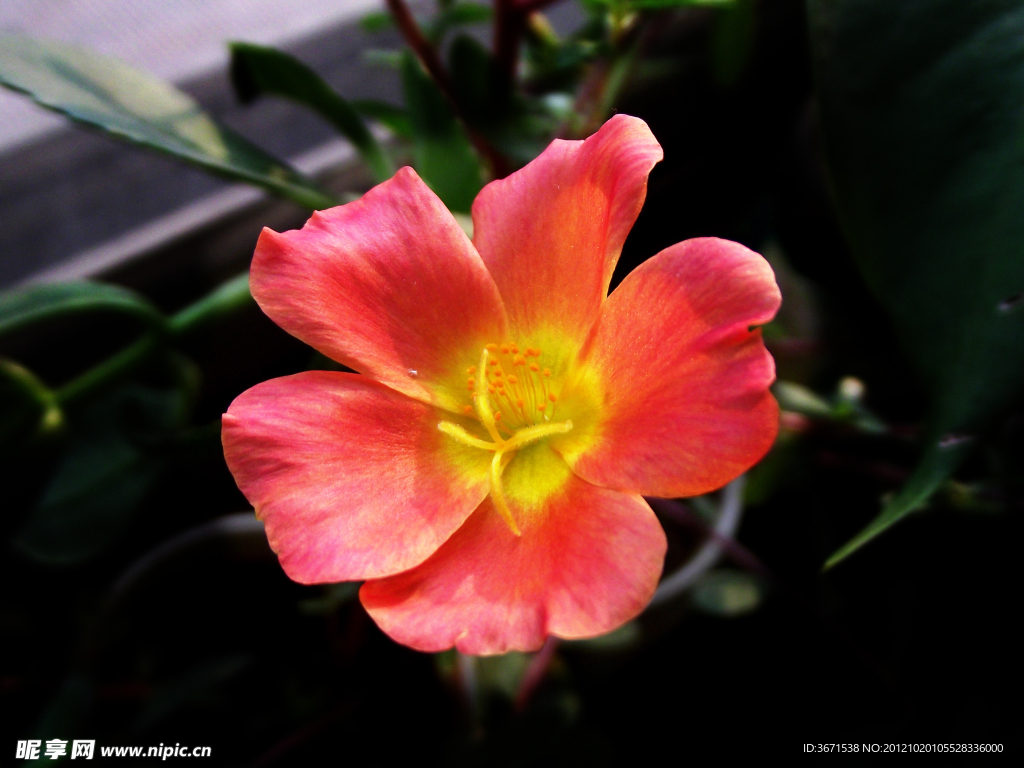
588 560
683 404
352 480
388 285
552 232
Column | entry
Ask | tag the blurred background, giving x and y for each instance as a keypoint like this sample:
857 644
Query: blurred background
869 150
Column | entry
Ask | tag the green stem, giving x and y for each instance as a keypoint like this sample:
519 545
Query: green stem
223 301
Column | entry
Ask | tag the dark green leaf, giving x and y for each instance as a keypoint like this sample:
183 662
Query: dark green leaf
443 155
922 116
257 70
393 118
171 697
113 455
491 107
732 41
105 93
25 306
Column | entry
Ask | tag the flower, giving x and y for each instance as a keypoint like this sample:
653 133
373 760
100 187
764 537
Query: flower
484 471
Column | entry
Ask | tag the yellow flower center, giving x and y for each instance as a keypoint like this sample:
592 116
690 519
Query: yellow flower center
514 399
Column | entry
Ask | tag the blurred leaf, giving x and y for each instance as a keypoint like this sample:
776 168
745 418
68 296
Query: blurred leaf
393 118
331 598
257 70
653 4
377 22
113 455
24 306
502 673
727 593
67 711
491 107
443 155
732 41
619 639
170 698
380 57
105 93
922 117
459 15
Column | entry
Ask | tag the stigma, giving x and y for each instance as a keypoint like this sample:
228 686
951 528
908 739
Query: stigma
513 399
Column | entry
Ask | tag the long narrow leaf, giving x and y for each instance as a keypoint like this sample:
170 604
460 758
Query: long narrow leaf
257 70
122 101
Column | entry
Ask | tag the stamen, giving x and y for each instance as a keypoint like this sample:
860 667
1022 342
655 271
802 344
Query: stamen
460 435
498 494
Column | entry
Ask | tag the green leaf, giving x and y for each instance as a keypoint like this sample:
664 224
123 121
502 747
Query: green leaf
922 119
732 41
655 4
460 14
105 93
443 155
939 462
113 456
727 593
257 70
377 22
393 118
491 107
187 687
24 306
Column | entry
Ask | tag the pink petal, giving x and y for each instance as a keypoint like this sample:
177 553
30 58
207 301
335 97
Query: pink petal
388 285
352 480
588 560
684 405
552 232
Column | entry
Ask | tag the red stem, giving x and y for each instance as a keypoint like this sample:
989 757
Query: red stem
425 52
535 672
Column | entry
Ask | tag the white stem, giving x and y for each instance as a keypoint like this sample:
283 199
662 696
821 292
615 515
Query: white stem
730 510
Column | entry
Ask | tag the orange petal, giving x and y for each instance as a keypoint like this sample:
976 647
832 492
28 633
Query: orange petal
388 285
352 480
588 560
552 232
683 404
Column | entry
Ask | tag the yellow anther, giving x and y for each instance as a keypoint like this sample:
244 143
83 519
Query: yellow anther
491 389
536 352
497 374
519 360
468 410
541 407
493 362
547 373
552 398
492 347
497 415
504 349
513 349
534 367
471 370
513 379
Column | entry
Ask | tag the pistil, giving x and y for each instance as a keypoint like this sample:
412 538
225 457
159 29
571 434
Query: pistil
504 448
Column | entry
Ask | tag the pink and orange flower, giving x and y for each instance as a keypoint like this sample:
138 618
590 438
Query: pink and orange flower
484 471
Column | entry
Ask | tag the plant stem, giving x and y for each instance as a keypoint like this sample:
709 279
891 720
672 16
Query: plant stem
428 57
222 301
